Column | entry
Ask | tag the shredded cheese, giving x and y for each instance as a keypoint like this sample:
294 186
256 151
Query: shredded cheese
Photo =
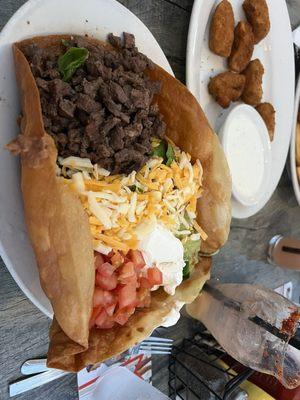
78 182
100 212
121 207
200 230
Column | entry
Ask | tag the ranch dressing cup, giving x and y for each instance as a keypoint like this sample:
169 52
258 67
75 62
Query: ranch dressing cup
246 143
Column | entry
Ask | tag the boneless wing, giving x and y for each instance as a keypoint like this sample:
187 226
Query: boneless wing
242 48
253 90
267 113
226 87
257 14
221 33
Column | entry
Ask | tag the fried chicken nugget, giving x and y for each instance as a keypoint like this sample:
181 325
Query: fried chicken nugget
253 90
257 14
267 112
242 47
221 32
226 87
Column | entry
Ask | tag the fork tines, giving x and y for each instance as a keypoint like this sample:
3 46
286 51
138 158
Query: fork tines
155 345
157 339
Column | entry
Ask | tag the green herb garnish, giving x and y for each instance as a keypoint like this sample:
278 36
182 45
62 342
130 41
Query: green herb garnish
69 62
170 155
160 150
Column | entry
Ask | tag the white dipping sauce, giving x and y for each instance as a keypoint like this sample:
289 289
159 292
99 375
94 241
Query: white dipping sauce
245 155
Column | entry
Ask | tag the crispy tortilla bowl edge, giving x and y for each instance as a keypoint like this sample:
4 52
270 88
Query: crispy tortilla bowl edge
65 260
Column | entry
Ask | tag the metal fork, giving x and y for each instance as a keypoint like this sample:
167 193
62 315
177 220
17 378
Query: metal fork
152 345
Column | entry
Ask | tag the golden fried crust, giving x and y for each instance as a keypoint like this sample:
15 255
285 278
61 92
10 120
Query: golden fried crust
53 213
242 48
221 32
253 90
226 87
64 253
257 14
189 129
267 113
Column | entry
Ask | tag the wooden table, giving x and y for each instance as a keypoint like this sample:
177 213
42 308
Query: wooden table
24 329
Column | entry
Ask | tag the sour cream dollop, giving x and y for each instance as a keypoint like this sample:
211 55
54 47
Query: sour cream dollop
173 316
163 250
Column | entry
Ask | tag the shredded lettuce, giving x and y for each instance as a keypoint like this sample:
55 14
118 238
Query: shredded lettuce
164 150
191 256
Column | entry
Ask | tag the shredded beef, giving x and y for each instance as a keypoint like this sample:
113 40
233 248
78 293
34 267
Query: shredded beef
115 41
66 108
105 111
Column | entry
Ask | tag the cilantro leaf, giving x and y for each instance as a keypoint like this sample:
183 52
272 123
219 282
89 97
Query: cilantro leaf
69 62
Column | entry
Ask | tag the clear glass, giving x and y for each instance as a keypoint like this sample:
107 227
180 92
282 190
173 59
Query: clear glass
227 314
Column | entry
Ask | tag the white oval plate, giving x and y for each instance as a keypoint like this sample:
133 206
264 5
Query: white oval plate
38 17
295 181
277 56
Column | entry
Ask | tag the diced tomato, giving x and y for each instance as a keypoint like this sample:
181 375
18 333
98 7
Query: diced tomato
120 287
94 315
130 280
154 276
103 298
106 282
143 297
126 270
108 324
117 259
104 321
110 309
127 259
123 315
144 283
128 274
106 269
101 317
137 258
99 259
127 296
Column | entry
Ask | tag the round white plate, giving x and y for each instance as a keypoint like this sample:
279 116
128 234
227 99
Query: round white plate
295 181
38 17
277 56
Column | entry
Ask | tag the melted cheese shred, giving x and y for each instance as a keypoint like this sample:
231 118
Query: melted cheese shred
119 206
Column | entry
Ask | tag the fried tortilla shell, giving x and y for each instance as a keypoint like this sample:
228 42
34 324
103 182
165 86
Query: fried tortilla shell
189 129
54 212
